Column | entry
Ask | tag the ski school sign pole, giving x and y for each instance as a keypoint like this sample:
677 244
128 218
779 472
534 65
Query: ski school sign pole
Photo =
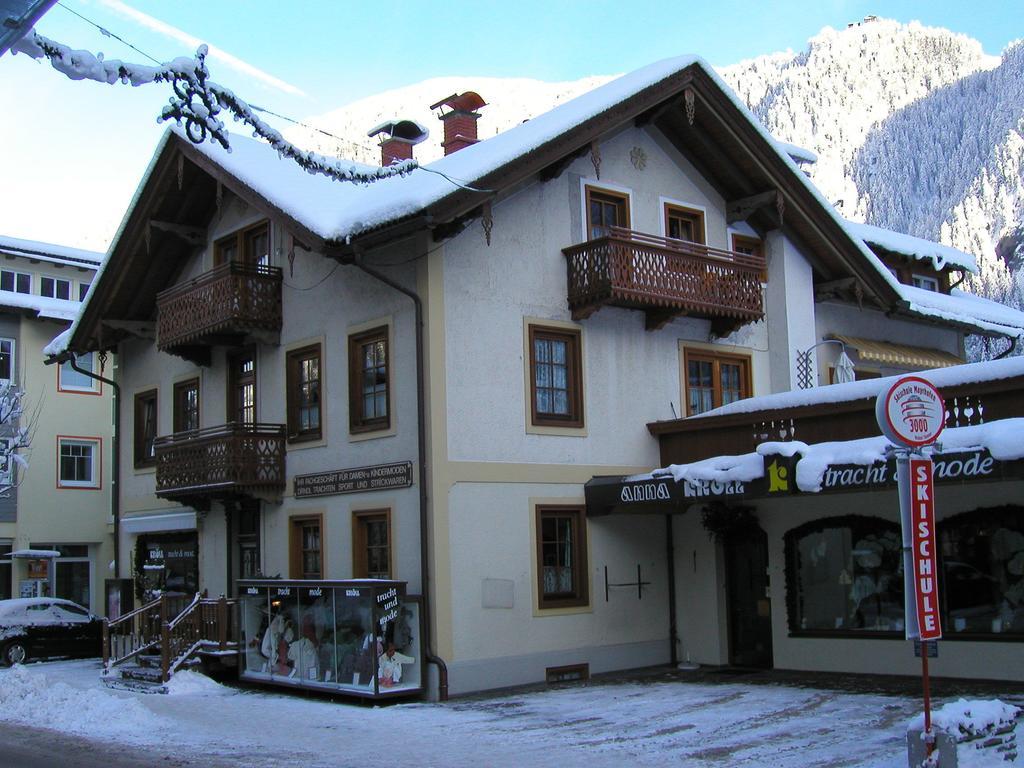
911 414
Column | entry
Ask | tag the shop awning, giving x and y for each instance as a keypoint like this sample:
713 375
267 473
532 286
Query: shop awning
902 355
173 521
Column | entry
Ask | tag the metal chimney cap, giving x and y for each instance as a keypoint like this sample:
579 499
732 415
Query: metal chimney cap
408 131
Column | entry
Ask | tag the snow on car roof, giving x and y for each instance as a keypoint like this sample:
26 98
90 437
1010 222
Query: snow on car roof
14 604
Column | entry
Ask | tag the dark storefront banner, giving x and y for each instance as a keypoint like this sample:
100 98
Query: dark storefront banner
605 495
376 478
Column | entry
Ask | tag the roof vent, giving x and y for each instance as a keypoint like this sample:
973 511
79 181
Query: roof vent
397 138
459 119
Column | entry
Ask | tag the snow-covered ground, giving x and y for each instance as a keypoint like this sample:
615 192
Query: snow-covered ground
608 724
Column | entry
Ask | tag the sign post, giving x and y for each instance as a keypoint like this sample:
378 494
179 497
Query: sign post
911 414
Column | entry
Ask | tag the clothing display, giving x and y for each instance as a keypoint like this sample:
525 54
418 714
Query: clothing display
389 667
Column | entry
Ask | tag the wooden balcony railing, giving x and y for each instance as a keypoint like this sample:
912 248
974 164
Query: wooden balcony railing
219 462
665 278
221 306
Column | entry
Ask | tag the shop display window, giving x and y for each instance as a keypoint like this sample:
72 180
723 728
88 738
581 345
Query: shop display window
845 575
982 566
360 637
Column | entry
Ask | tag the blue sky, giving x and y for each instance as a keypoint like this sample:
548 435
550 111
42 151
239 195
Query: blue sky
80 148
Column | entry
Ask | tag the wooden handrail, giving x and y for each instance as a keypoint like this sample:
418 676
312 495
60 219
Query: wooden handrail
217 273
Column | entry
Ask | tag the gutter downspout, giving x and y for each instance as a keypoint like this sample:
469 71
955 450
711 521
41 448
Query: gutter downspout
115 469
421 439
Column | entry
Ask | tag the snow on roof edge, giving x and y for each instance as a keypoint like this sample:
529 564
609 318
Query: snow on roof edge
37 249
916 247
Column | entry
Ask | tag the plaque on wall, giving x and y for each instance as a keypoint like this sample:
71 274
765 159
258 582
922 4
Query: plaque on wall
380 477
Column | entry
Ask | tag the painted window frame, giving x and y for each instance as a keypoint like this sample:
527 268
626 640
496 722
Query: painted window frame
95 386
619 198
579 595
8 360
361 544
180 409
95 482
16 274
573 339
358 421
293 385
716 359
55 280
143 452
923 282
296 529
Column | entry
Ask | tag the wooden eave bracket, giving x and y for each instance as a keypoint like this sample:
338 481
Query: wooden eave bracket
191 235
743 208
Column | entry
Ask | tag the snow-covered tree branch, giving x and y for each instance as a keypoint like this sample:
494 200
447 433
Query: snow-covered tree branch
197 101
14 434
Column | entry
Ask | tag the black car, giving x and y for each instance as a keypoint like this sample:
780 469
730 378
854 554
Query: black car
45 627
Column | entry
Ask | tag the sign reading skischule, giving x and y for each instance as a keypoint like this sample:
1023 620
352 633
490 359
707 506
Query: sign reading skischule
379 477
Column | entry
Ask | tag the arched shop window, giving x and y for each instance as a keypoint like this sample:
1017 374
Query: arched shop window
983 573
844 576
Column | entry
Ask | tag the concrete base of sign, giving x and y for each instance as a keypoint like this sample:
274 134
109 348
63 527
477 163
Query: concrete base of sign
945 746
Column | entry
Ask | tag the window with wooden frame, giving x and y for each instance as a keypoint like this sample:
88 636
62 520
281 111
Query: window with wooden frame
925 282
371 544
684 224
250 245
714 380
606 209
369 381
186 405
562 571
556 378
750 246
304 414
145 429
306 559
242 387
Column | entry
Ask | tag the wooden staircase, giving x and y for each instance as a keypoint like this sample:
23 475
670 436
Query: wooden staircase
144 648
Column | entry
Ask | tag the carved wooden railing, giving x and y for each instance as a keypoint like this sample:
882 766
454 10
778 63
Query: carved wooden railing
223 460
640 271
204 625
140 630
234 298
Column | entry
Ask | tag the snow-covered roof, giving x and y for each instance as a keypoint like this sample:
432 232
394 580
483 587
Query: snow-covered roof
964 309
55 254
918 248
1000 438
42 306
969 373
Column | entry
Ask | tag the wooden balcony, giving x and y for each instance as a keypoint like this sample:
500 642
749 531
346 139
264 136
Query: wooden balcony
217 463
664 278
228 305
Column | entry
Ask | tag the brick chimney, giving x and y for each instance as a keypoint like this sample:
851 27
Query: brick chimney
459 120
397 138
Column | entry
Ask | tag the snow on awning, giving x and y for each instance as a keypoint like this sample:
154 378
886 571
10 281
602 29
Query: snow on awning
899 354
173 521
982 452
35 554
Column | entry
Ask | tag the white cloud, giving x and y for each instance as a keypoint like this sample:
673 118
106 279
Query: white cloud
214 52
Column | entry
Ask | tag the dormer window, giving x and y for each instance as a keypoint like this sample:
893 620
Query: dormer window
925 282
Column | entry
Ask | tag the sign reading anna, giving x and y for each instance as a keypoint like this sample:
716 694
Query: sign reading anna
376 478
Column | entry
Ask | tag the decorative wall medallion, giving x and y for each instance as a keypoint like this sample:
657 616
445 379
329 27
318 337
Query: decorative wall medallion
638 158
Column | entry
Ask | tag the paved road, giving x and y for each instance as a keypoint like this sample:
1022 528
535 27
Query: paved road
22 747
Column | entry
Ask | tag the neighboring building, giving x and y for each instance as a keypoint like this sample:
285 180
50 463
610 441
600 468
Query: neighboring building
641 252
61 502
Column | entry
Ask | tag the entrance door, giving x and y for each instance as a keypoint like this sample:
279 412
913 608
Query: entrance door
750 615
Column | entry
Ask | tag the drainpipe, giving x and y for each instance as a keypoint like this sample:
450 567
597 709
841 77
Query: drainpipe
421 437
115 469
670 555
